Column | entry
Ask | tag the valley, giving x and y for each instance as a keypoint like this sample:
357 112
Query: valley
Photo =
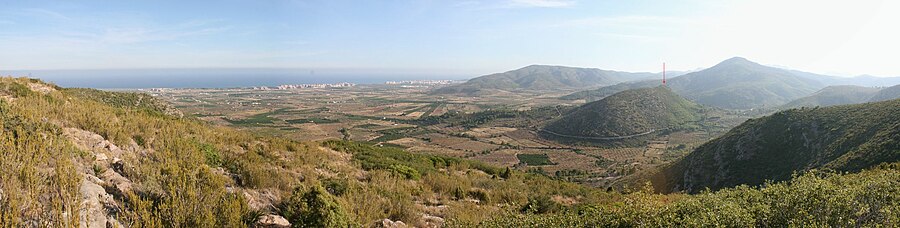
499 129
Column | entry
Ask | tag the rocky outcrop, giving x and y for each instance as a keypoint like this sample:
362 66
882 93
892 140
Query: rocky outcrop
98 208
40 88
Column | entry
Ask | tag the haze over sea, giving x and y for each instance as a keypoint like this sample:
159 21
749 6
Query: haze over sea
213 78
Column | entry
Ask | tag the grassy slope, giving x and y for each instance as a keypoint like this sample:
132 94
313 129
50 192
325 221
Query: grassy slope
188 173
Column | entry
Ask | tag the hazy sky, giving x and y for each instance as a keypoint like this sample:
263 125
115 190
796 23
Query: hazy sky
452 37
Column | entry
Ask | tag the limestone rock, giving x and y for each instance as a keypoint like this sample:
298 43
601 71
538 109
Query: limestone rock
272 221
387 223
96 204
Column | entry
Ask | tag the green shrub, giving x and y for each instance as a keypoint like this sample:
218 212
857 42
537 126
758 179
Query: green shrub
314 207
405 171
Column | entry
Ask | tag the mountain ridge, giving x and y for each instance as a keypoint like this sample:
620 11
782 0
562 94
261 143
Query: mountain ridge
735 83
542 77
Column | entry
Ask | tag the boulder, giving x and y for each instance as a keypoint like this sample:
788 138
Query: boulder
272 221
387 223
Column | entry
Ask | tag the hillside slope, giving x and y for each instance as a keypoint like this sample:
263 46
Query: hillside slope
843 138
82 157
541 77
835 95
736 83
888 93
627 113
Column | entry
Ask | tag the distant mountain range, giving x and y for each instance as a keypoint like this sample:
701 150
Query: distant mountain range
626 114
542 77
736 83
843 138
862 80
845 94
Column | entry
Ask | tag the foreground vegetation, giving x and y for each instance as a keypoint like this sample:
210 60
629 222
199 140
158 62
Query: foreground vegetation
813 199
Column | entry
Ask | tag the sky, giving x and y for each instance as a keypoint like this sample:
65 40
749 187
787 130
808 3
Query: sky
449 37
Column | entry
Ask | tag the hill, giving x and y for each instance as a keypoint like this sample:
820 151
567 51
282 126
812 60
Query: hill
842 138
602 92
888 93
835 95
736 83
541 77
627 113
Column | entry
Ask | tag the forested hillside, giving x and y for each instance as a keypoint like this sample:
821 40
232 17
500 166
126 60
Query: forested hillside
628 113
845 138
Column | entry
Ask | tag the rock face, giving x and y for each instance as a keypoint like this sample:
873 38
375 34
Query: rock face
111 170
272 221
97 206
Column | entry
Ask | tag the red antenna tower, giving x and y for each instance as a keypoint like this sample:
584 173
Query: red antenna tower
664 73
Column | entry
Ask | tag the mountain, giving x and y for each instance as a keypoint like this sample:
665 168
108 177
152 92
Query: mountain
735 83
843 138
835 95
627 113
541 77
888 93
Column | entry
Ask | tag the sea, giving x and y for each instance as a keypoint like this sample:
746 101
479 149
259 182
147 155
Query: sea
205 78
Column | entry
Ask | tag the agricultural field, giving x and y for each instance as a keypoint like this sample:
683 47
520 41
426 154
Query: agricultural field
500 130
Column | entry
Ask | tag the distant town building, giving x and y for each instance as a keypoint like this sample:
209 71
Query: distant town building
306 86
420 82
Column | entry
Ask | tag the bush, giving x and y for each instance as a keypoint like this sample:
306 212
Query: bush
540 205
314 207
405 171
